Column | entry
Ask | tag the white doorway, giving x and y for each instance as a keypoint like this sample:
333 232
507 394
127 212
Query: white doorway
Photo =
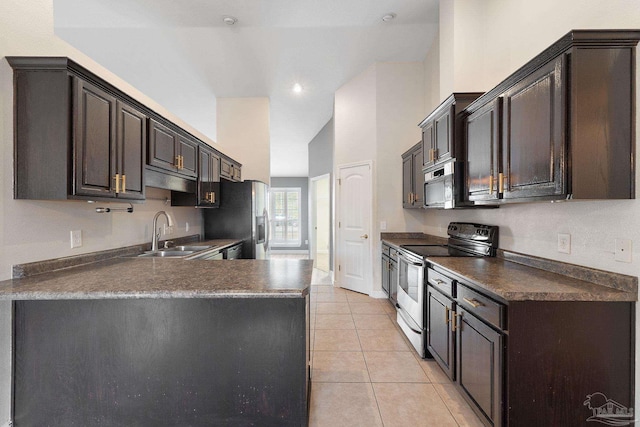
354 216
321 222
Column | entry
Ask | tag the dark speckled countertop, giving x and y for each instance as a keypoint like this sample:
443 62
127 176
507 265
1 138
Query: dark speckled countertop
117 273
528 279
515 282
166 278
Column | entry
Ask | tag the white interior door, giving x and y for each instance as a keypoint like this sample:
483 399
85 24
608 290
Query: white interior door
354 227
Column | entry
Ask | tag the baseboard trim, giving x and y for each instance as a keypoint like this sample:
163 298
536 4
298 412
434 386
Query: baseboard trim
289 251
378 295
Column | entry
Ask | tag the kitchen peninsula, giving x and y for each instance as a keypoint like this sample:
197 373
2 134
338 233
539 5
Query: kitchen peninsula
148 341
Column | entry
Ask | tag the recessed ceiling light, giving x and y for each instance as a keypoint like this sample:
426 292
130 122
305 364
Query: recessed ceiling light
229 20
389 17
297 88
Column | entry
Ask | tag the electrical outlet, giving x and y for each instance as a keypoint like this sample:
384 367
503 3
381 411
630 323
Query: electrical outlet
383 225
187 227
623 250
76 238
564 243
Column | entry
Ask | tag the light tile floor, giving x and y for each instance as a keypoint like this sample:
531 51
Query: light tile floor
364 372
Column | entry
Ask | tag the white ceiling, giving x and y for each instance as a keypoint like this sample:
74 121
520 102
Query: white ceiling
181 54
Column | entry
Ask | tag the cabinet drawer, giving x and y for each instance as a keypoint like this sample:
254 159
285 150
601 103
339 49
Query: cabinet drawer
385 249
393 254
440 282
481 306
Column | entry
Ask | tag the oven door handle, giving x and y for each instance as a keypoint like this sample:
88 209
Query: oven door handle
407 321
408 261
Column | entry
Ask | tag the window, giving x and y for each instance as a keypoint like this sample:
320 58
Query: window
285 214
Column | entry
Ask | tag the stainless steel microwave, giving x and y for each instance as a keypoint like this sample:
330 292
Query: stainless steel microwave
440 185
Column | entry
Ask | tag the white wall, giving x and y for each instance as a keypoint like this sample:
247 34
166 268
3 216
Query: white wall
376 116
243 133
508 33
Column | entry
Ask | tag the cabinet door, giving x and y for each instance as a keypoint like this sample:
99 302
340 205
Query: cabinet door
162 147
226 169
418 178
427 145
443 135
440 337
479 368
131 143
482 139
94 142
188 150
534 134
208 178
407 180
385 274
237 173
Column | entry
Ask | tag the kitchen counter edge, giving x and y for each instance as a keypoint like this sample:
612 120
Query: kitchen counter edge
510 281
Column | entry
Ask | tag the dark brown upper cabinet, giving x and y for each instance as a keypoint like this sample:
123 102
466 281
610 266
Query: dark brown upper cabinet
207 193
74 138
442 129
109 144
230 169
412 178
172 151
482 145
79 137
563 125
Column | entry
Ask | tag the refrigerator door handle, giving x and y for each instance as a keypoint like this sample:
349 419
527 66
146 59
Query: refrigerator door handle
267 232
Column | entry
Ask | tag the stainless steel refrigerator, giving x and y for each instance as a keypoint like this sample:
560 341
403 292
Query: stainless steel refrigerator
243 214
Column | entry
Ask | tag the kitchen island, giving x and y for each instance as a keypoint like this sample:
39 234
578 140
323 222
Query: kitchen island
135 341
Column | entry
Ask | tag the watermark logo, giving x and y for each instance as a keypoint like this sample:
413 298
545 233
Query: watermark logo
608 411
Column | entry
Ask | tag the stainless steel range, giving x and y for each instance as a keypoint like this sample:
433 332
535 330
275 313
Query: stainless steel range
465 240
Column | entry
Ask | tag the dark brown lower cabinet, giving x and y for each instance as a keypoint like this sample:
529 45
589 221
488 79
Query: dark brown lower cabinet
480 367
162 362
440 337
542 368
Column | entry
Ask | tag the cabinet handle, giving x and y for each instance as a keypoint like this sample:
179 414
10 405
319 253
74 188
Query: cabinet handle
124 183
491 183
473 302
181 162
177 164
439 282
501 182
454 322
430 154
117 178
212 197
435 154
446 315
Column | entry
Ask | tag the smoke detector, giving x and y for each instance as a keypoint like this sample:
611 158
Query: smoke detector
389 17
229 20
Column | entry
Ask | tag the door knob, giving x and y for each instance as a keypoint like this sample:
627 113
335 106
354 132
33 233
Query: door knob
364 236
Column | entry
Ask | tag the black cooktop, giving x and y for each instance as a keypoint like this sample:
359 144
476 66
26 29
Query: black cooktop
465 240
426 251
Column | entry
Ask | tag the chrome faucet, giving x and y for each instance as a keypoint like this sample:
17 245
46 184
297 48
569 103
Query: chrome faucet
156 231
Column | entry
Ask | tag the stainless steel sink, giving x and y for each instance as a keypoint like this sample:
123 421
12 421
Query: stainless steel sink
166 253
193 248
